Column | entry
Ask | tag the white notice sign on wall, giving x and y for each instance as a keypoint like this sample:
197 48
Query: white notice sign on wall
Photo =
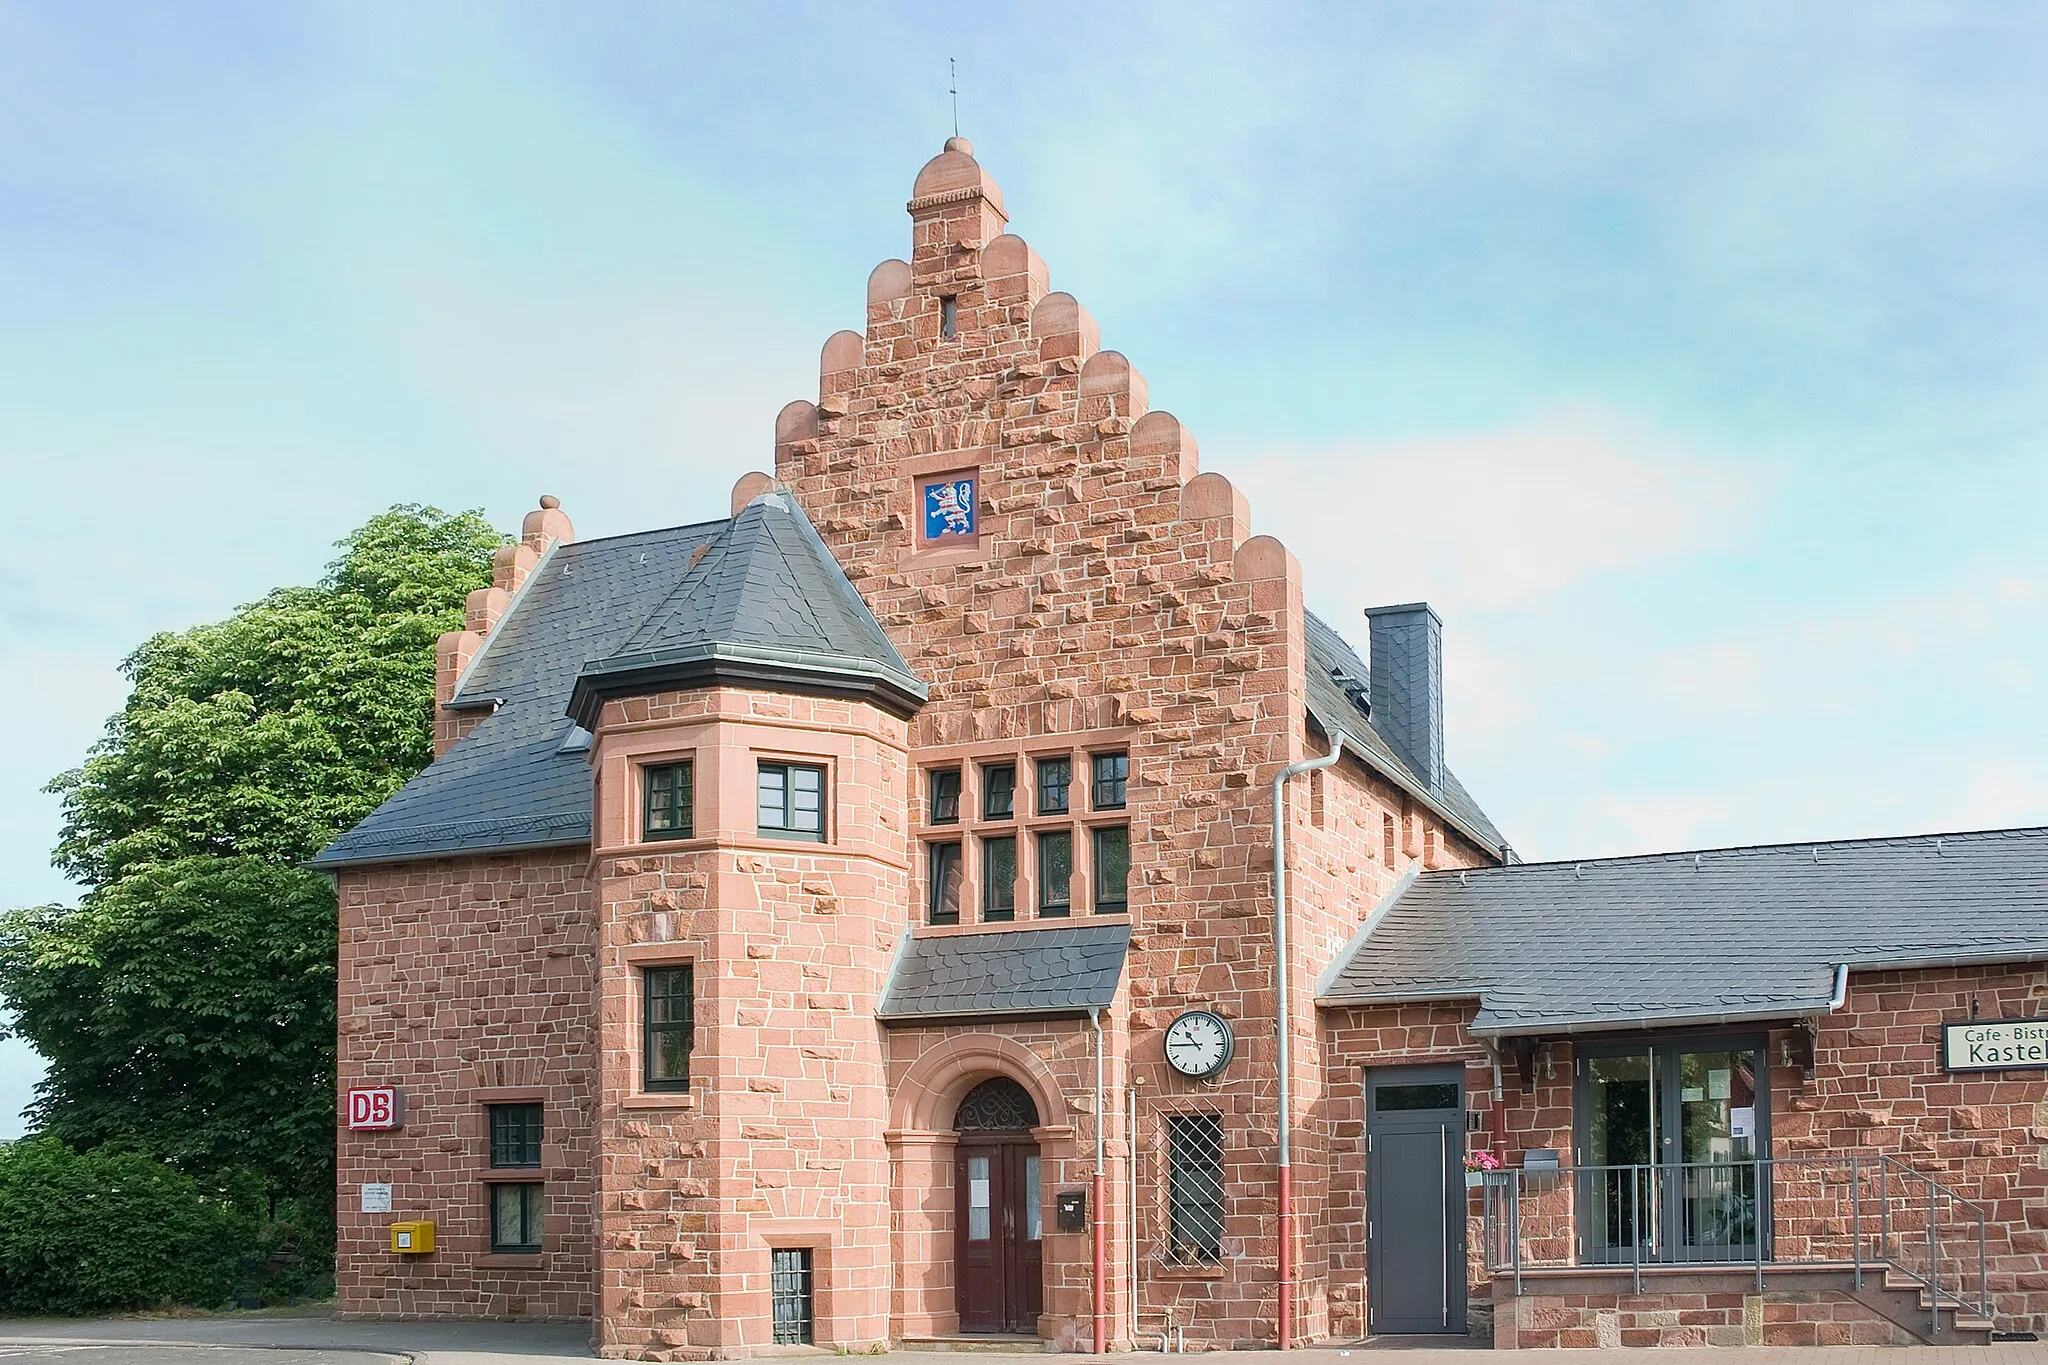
376 1199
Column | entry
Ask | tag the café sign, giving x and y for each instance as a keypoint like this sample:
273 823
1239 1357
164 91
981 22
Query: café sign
1995 1045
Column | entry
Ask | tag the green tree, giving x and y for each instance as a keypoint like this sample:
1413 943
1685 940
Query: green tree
186 1005
269 732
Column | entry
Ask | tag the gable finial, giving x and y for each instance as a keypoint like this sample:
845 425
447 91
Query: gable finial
953 88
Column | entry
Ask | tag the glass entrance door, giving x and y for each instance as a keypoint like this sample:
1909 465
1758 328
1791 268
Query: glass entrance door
1669 1136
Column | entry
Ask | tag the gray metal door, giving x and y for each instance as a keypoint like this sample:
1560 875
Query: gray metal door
1415 1200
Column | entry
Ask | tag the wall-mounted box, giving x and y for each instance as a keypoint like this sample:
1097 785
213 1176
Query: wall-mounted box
1070 1210
412 1239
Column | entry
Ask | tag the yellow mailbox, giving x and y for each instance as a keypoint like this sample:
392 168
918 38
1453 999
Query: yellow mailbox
412 1239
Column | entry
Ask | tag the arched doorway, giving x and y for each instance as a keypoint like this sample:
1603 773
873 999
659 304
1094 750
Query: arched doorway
999 1224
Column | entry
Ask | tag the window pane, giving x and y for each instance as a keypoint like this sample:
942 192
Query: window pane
1055 776
945 796
977 1199
998 791
515 1217
670 1027
999 879
515 1134
1393 1098
1111 773
1112 870
1195 1186
669 810
773 800
943 868
1034 1217
789 1282
1055 873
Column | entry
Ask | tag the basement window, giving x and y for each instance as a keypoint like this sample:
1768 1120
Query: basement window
789 1280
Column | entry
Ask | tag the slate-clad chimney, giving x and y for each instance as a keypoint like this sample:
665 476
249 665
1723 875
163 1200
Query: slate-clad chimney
1408 686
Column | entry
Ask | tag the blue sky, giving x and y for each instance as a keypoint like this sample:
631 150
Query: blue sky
1693 360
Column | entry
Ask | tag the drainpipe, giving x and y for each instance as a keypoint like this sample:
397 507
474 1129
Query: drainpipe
1281 1027
1095 1202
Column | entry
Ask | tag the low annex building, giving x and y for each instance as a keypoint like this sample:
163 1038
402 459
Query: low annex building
853 920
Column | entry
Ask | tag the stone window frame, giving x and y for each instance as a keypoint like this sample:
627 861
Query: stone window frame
974 827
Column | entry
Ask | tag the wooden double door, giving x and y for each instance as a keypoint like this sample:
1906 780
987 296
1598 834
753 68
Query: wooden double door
999 1233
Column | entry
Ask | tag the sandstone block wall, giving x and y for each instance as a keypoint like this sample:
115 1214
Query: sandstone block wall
468 982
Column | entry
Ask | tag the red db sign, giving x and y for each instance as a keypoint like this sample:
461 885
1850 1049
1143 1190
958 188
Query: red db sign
375 1107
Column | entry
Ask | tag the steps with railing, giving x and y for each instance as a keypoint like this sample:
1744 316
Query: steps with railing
1892 1228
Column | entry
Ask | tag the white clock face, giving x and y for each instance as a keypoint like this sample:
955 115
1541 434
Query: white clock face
1198 1044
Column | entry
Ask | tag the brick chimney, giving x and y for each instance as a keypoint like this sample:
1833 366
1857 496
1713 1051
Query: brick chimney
1408 686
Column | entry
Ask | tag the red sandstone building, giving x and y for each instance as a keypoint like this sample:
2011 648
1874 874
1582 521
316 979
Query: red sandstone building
853 921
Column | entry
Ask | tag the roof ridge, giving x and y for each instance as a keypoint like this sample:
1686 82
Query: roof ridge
573 545
1783 846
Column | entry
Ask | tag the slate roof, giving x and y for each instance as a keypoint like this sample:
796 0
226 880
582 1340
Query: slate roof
759 593
509 784
1064 970
1334 707
766 600
1721 934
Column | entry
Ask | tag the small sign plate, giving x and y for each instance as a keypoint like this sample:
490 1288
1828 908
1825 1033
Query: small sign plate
1995 1045
375 1108
376 1199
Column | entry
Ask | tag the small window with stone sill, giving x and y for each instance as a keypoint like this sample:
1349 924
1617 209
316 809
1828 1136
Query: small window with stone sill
999 791
668 1009
668 807
945 796
949 316
1112 776
943 868
515 1136
515 1218
1055 778
790 801
1055 874
1112 869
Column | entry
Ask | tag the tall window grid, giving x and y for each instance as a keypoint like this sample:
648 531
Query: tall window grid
668 1025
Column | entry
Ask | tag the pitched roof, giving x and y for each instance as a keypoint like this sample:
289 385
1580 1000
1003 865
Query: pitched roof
1720 934
510 784
766 602
1062 970
1337 678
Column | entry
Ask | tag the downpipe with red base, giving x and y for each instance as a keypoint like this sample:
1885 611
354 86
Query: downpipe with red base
1101 1269
1286 1257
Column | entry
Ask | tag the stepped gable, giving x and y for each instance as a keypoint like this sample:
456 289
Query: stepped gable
1618 942
765 605
519 778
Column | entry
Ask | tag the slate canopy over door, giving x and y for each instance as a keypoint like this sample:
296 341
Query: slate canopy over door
1415 1200
998 1229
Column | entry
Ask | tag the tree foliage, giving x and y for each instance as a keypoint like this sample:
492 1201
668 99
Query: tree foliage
188 1008
267 733
186 1005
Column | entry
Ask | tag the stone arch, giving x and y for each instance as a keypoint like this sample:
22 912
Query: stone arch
931 1091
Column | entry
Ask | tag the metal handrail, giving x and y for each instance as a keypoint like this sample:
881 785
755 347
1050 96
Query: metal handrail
1753 1195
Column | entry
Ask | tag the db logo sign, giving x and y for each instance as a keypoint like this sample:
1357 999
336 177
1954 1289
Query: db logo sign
375 1107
